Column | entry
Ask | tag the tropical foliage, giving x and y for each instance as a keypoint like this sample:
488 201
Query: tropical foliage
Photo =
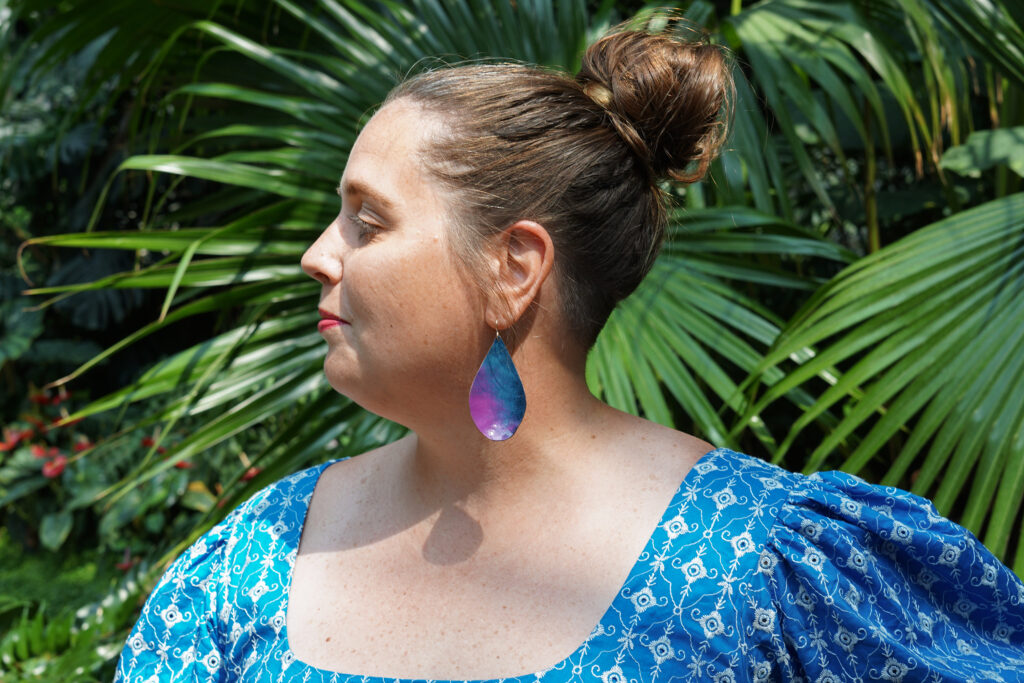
844 290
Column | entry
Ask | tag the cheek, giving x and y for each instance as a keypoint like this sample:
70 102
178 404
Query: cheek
415 301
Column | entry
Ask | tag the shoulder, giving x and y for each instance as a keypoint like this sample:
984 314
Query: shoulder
726 507
268 514
262 533
284 500
877 526
181 627
347 488
872 578
846 580
726 477
265 513
830 509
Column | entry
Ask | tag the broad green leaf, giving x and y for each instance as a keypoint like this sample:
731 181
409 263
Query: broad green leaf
54 529
274 181
985 149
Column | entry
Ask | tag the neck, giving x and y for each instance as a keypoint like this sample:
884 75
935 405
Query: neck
450 462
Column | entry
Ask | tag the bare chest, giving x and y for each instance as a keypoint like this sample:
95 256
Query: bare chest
377 611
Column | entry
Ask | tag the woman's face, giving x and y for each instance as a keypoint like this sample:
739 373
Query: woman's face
403 322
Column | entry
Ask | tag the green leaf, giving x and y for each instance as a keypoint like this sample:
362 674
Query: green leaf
929 327
54 529
985 149
273 181
20 325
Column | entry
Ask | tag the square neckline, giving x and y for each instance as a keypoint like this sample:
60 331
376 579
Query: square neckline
695 470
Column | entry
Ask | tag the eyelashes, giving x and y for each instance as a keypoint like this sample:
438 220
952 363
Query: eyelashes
366 230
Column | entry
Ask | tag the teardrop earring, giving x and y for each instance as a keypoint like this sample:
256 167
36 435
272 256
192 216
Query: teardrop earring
497 401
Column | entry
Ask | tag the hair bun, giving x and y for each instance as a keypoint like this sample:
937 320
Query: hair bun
668 99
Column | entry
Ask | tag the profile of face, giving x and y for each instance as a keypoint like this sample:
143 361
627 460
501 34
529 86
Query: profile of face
408 321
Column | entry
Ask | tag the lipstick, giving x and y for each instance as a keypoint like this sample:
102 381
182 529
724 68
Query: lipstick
328 320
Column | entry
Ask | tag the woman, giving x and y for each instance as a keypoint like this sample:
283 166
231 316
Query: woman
503 206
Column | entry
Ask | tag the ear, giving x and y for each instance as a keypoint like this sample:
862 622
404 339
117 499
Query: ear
524 255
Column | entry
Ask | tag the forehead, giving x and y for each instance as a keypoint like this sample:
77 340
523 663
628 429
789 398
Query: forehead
384 163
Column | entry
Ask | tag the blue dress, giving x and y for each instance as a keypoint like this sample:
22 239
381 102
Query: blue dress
752 574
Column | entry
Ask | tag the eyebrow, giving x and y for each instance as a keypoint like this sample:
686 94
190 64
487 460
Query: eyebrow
357 187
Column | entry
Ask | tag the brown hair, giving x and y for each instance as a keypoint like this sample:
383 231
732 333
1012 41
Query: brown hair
581 156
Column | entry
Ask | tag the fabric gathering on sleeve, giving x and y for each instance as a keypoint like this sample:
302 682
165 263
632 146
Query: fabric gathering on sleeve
175 637
870 583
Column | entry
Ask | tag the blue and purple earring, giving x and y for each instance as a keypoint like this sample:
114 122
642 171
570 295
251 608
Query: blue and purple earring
497 402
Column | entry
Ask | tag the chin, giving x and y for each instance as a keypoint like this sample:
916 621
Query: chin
355 389
345 386
400 404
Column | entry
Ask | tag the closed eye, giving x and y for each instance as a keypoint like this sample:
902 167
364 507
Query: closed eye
366 230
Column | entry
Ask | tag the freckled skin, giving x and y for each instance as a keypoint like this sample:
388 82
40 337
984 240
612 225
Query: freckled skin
416 321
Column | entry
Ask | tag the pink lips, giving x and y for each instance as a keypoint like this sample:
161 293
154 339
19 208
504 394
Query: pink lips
329 320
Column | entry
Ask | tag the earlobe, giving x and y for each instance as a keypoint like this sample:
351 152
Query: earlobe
525 259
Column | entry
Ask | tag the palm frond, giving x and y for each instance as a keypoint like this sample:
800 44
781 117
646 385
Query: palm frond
931 327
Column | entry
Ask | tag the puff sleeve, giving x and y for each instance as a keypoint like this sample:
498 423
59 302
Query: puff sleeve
871 583
175 638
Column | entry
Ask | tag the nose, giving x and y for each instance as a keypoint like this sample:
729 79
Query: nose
322 260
